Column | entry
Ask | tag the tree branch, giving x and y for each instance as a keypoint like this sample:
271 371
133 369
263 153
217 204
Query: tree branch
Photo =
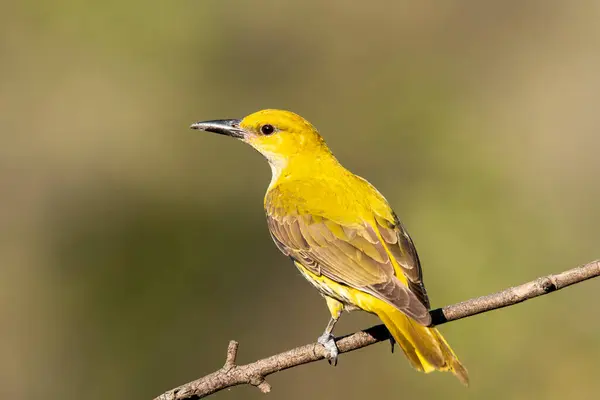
256 372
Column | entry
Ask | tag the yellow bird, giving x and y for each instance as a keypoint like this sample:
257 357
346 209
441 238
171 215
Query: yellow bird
342 235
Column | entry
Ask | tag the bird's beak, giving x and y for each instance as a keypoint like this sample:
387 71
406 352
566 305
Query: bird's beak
229 127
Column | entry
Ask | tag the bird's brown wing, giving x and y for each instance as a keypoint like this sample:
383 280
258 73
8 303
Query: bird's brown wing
350 255
401 246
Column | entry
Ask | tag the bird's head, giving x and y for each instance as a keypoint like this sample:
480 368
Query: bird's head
279 135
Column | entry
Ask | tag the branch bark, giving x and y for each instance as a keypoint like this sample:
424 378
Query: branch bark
255 373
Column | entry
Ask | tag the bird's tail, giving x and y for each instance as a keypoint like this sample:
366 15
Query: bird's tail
425 347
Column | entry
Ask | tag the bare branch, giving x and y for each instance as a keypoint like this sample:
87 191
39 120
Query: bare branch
256 372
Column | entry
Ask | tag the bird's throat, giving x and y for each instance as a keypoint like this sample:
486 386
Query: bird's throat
278 164
301 167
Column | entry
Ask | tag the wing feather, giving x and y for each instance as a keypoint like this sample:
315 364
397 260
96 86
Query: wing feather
350 255
403 250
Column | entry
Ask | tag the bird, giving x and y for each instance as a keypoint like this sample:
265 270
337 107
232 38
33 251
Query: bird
342 235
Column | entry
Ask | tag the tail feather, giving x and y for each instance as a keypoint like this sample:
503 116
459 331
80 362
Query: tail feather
424 347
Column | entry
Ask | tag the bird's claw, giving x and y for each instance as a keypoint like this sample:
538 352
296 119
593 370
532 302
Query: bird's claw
328 342
392 343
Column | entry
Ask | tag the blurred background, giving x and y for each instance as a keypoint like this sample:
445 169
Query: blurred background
134 249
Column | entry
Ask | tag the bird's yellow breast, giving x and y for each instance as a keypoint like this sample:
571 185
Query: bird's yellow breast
323 187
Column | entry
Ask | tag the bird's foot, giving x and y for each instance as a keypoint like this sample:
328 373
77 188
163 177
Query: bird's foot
328 342
392 342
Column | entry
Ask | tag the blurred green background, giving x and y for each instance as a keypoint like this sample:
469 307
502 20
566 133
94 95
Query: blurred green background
134 249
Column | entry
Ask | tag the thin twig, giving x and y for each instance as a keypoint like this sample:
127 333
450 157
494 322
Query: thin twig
231 356
256 372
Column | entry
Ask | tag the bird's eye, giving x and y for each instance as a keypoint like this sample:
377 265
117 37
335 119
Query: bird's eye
267 129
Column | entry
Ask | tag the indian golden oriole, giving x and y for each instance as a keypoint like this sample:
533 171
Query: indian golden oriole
342 235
